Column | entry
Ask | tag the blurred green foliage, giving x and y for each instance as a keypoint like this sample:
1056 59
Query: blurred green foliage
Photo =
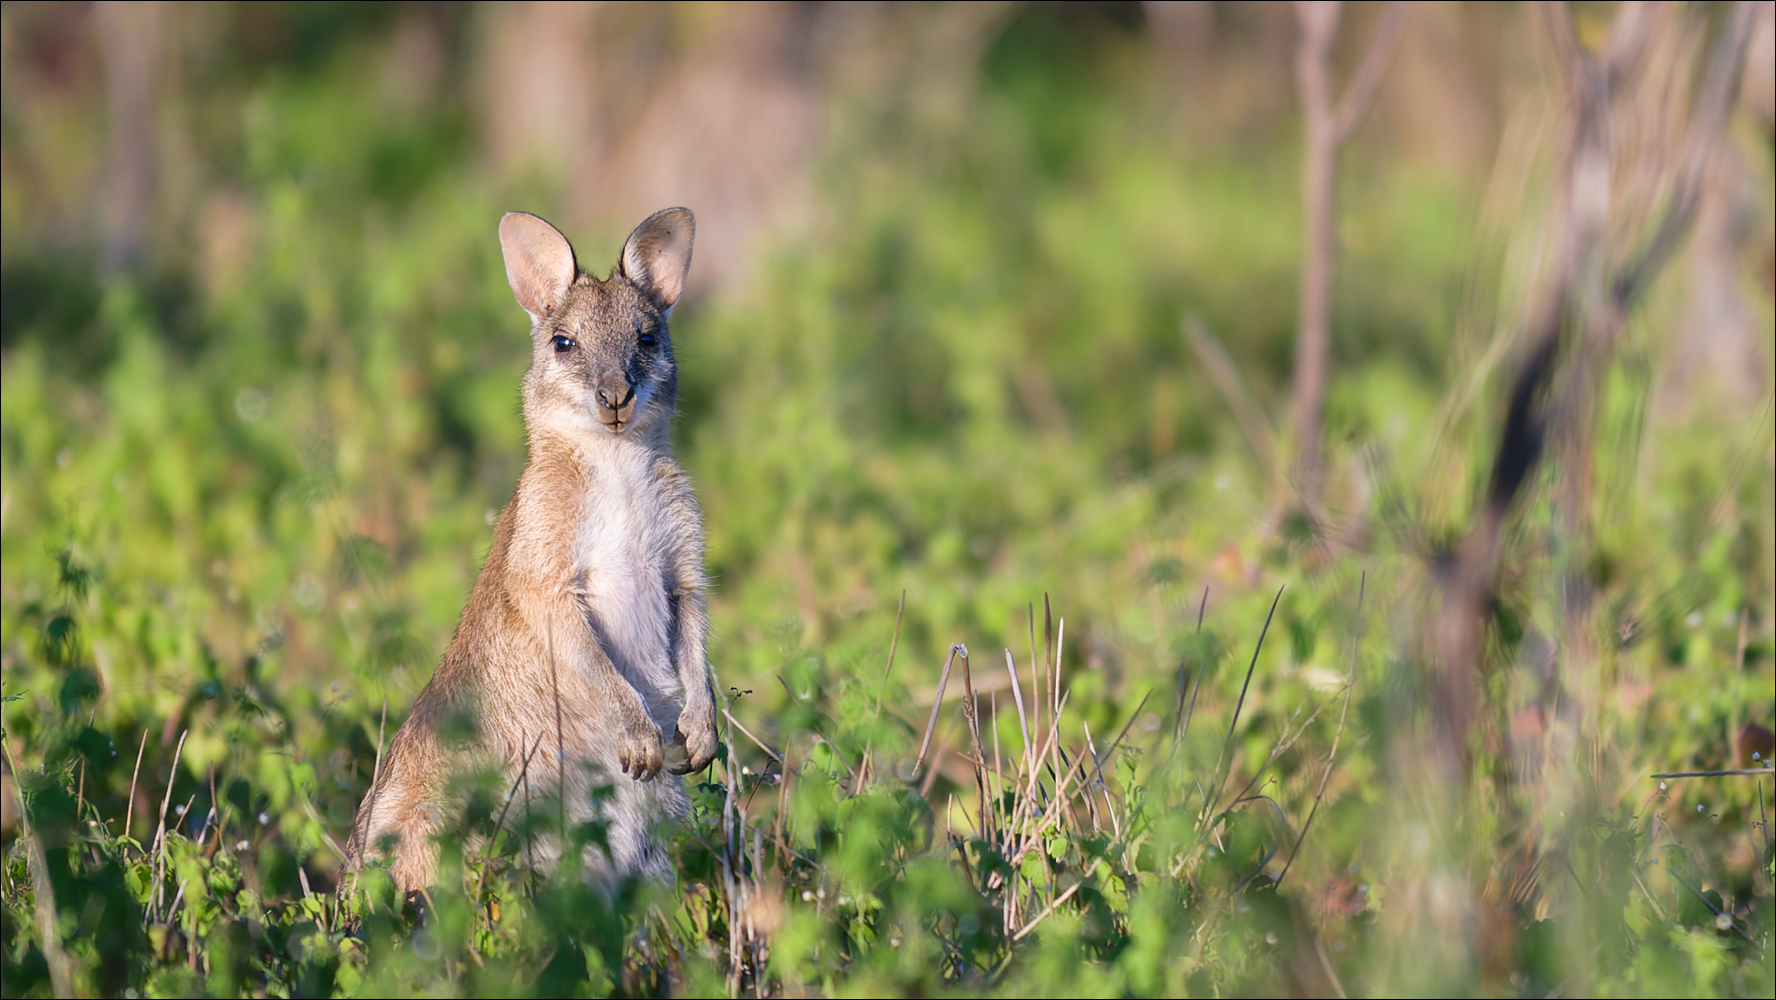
246 491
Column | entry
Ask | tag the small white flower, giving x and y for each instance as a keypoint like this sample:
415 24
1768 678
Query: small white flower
264 819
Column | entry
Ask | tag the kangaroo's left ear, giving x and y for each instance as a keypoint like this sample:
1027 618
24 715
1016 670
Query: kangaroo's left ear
657 256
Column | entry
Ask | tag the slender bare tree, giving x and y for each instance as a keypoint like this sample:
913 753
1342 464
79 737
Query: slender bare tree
1329 123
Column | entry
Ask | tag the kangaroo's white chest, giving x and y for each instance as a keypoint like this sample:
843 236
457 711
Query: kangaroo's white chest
622 547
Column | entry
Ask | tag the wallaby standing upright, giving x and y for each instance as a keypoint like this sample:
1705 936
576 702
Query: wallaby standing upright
586 629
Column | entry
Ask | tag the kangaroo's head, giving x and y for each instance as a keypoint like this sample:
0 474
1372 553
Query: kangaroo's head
601 356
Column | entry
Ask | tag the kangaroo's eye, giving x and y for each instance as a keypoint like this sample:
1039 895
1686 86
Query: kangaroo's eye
563 343
649 340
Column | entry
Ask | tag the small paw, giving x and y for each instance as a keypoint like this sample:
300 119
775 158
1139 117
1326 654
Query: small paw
695 740
639 752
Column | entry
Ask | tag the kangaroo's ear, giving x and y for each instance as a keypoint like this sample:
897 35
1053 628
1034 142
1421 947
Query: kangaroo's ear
539 262
657 257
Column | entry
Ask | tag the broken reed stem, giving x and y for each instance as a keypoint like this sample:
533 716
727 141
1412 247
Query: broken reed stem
1035 687
1054 691
998 764
1029 762
943 680
1350 682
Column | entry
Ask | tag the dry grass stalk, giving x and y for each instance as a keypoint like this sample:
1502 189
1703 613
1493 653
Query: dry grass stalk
129 806
158 849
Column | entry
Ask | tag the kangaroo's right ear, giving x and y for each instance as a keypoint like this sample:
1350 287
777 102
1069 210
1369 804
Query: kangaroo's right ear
539 262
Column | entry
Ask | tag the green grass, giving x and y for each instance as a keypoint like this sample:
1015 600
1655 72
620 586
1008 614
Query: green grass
245 496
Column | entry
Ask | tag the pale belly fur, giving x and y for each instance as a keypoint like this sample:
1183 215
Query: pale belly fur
621 557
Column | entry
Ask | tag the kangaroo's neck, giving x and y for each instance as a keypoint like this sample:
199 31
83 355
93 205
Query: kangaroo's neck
595 449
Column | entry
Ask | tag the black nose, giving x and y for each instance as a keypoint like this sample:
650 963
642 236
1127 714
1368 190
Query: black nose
615 391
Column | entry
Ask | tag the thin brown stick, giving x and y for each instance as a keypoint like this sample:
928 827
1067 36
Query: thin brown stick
774 755
971 714
1745 771
943 680
1044 915
1247 414
1326 965
129 805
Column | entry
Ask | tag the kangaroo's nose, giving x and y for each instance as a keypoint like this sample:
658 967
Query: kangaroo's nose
615 391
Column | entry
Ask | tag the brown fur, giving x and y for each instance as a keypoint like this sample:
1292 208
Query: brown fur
590 607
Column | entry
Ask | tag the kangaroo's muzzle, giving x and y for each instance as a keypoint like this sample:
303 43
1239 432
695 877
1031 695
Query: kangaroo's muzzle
616 399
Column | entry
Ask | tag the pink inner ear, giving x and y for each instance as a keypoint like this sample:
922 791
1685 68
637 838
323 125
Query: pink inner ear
657 255
539 262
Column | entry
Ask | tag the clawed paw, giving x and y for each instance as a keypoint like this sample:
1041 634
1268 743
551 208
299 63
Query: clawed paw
640 753
694 741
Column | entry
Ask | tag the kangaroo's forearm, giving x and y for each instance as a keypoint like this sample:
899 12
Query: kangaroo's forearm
690 644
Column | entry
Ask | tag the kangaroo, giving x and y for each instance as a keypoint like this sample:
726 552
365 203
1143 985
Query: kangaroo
586 630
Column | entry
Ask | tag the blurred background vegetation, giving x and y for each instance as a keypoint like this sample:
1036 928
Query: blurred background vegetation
260 407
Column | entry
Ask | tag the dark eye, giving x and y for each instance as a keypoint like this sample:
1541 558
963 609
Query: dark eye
649 340
563 343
